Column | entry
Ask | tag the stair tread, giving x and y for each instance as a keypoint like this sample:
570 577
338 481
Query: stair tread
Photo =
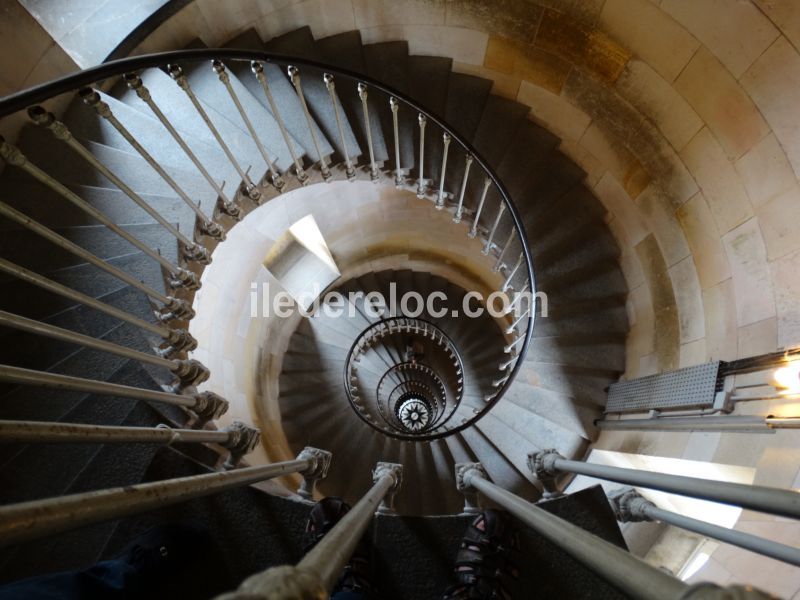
301 43
284 95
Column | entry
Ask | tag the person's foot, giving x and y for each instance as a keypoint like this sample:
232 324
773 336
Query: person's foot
484 568
356 574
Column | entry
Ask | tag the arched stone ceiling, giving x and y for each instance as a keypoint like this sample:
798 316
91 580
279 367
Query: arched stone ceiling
683 114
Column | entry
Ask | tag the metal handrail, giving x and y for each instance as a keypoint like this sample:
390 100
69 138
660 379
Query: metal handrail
316 574
622 569
206 405
189 371
630 507
785 503
41 93
40 518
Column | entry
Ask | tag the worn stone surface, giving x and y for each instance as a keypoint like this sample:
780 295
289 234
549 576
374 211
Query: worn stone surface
667 339
582 45
773 83
534 65
752 283
719 181
701 233
654 36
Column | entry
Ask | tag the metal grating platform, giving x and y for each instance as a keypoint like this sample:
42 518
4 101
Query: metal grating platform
692 387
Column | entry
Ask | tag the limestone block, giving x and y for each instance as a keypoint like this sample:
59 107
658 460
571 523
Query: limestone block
693 353
657 99
719 181
617 159
508 18
773 83
650 33
526 62
747 257
374 13
701 233
667 342
785 15
657 212
758 338
722 103
553 112
587 161
619 203
779 220
621 121
24 42
765 171
689 299
720 314
737 39
582 45
786 278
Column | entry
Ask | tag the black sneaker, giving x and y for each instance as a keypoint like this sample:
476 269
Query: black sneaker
484 568
356 574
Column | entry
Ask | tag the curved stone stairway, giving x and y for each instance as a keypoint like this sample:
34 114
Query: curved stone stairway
577 350
575 354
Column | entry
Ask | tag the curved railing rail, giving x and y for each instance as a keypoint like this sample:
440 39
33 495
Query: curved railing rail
183 279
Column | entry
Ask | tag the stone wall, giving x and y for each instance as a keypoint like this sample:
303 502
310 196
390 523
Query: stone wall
28 56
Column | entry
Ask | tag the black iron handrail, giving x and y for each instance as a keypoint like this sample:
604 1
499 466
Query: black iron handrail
70 83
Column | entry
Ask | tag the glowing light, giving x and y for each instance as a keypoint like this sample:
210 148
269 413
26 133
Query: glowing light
697 563
788 377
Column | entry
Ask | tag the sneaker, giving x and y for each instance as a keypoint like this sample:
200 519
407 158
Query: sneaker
484 569
355 577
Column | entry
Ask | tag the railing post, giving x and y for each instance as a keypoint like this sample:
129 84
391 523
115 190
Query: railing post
393 471
242 440
319 470
294 76
177 75
92 99
179 340
542 464
460 208
394 105
471 501
473 231
445 151
227 206
374 174
350 170
489 240
191 249
423 121
174 308
219 69
12 154
258 71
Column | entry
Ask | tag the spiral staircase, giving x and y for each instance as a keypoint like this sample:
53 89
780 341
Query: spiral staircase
354 387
